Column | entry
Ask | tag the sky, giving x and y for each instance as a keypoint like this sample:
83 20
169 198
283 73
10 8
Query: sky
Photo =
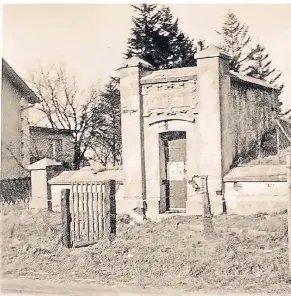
91 38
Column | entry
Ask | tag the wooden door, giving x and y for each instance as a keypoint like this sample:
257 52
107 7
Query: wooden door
175 165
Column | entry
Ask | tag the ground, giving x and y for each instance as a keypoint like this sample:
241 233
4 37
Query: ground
26 286
248 253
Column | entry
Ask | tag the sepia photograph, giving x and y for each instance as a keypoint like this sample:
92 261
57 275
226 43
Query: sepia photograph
145 149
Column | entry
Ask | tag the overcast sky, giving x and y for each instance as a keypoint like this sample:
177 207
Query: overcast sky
90 38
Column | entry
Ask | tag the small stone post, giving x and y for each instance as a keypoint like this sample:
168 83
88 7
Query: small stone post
202 191
41 172
207 216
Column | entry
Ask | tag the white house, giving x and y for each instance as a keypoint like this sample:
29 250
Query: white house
16 98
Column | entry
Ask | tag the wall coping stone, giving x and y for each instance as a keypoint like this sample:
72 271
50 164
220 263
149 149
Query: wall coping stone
250 80
136 62
170 75
43 164
211 51
257 173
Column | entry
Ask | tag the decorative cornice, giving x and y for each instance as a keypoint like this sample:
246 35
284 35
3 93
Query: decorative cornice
167 115
127 110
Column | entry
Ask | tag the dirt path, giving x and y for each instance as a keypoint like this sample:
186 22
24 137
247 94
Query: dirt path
26 286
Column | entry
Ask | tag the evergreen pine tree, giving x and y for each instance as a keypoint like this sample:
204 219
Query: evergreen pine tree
259 66
179 50
235 41
143 33
156 38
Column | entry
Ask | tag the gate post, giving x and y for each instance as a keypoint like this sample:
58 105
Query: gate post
213 86
66 218
207 215
41 172
110 209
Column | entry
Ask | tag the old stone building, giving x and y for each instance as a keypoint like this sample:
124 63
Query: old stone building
183 122
52 143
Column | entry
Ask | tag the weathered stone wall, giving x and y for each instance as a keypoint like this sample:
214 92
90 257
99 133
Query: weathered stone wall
249 116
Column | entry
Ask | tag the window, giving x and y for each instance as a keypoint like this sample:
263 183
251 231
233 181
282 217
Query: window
55 149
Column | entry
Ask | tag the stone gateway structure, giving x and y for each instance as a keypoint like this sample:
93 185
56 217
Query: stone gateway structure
183 122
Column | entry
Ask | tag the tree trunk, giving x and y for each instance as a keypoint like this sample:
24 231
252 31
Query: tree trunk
259 149
77 158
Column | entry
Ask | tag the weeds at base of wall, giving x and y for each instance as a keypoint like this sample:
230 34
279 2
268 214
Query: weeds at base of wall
20 204
155 254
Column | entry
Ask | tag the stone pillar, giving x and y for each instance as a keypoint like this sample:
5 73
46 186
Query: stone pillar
194 203
132 133
212 71
152 164
41 172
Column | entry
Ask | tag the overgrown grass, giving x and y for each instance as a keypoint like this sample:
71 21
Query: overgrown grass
155 254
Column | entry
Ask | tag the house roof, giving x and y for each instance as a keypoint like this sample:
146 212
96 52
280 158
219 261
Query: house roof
27 93
257 173
250 80
48 130
43 164
70 177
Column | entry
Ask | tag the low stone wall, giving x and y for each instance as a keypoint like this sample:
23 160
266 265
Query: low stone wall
254 197
245 198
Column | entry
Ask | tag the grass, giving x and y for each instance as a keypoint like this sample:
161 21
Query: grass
249 253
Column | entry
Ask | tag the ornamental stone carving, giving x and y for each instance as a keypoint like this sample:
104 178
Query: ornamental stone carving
170 98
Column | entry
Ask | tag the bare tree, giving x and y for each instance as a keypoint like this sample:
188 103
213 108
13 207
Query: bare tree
101 154
32 152
10 149
65 106
13 150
